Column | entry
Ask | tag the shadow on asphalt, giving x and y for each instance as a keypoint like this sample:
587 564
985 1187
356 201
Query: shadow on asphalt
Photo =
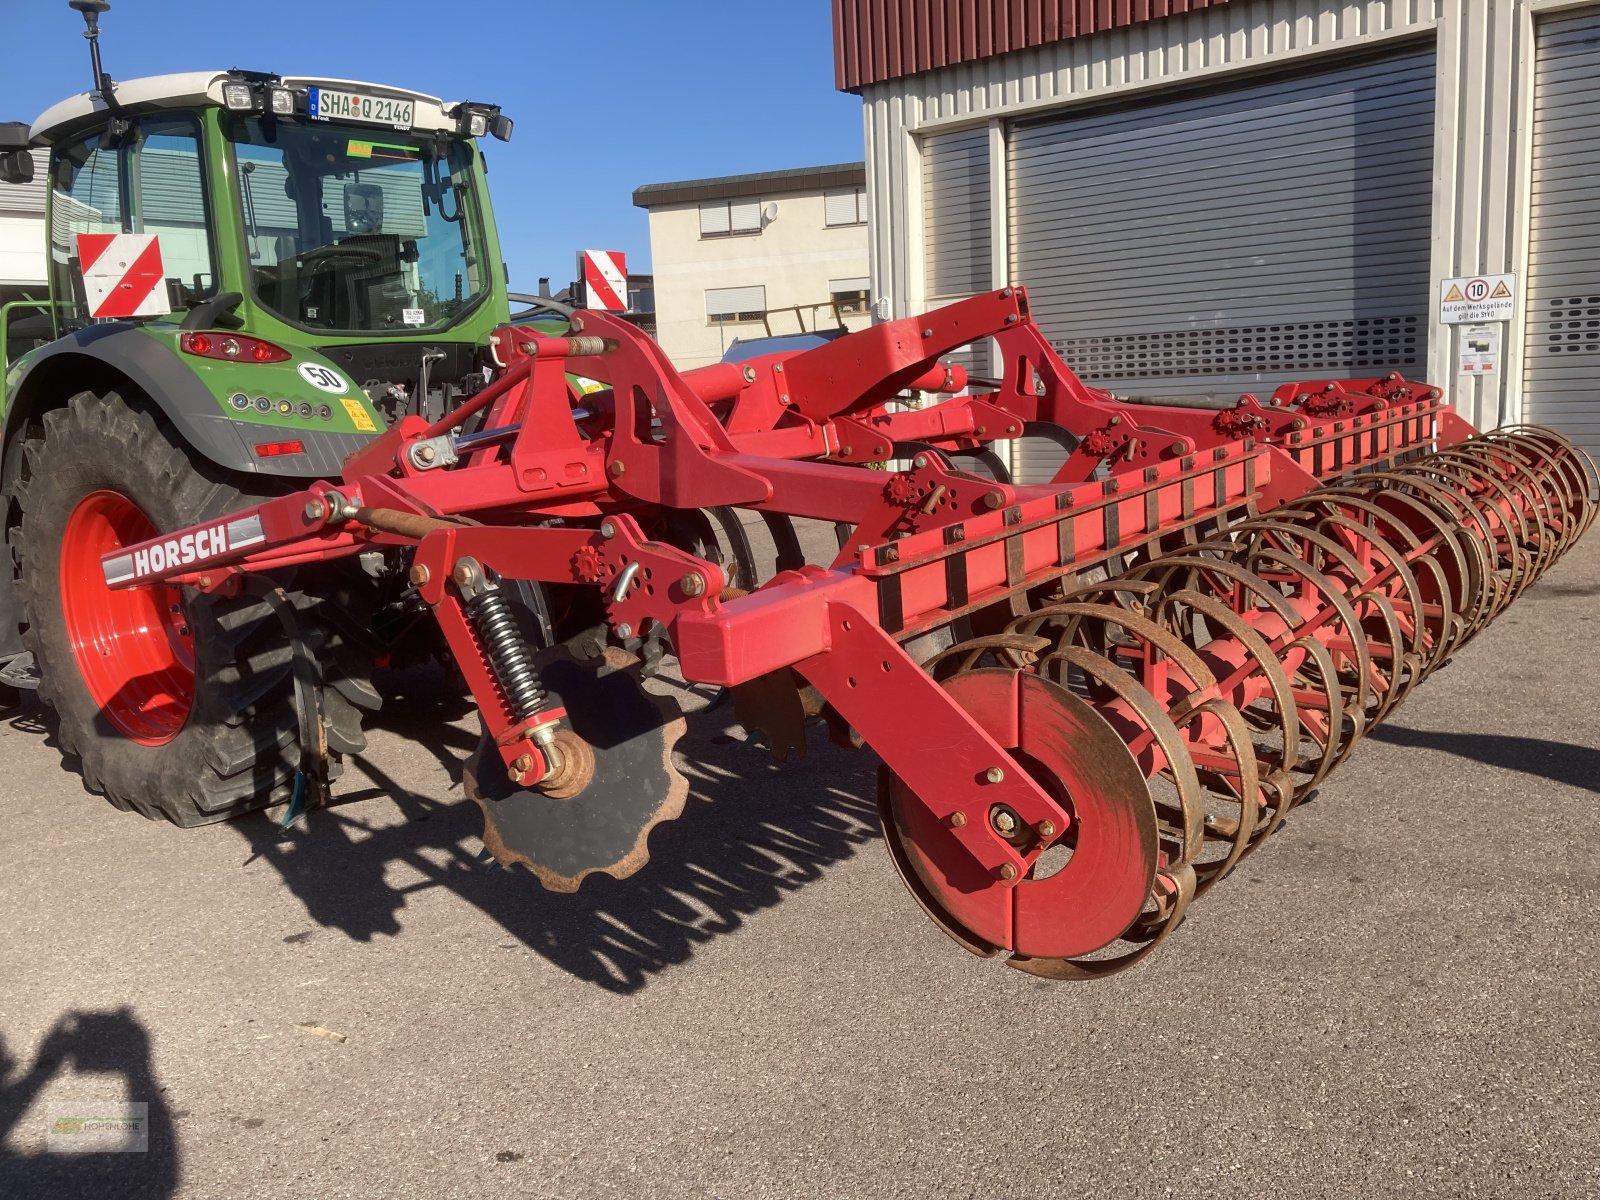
109 1055
1575 766
751 833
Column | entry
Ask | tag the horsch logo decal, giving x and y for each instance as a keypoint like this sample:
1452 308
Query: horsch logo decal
203 545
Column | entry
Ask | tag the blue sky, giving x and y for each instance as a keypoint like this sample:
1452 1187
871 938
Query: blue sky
606 94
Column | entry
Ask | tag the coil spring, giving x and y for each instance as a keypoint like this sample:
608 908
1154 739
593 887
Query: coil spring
509 657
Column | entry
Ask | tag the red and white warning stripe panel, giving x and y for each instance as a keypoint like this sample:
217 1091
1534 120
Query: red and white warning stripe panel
122 274
605 277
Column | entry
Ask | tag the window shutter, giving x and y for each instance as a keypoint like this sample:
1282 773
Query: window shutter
725 301
862 284
746 216
713 219
840 206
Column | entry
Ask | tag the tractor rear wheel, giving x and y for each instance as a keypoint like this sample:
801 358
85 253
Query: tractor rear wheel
176 704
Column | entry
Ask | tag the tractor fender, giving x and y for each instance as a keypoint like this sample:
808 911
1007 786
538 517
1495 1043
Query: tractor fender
112 357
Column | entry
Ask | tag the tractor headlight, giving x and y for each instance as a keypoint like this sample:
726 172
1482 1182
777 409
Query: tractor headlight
283 102
477 120
238 96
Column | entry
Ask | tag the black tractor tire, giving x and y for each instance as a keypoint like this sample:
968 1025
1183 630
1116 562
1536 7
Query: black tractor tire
239 748
13 475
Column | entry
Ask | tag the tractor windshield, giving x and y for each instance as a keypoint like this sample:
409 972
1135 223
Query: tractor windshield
357 230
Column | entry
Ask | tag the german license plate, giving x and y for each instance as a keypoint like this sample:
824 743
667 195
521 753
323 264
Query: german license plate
328 104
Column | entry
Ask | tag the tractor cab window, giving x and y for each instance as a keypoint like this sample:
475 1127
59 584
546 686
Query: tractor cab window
355 229
151 182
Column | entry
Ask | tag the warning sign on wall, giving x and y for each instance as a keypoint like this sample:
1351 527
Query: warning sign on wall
1474 298
1480 350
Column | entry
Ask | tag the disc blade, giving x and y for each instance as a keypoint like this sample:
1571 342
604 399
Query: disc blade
635 786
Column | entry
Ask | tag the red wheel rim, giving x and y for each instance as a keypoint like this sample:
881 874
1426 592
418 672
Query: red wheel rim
132 645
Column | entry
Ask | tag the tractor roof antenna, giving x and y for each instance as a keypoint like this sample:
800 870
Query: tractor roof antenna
103 84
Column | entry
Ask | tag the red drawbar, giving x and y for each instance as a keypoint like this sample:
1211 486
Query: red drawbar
133 645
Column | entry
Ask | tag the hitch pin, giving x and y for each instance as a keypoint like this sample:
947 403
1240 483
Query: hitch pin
625 580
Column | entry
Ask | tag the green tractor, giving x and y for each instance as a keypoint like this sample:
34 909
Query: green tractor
250 276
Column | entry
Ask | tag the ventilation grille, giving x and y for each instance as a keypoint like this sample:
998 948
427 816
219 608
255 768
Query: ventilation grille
1574 326
1311 347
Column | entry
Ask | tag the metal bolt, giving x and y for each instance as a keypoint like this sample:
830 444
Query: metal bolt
783 398
1115 420
616 469
994 499
1011 318
927 333
1047 829
624 631
1008 871
920 461
205 581
844 449
1011 428
463 574
426 454
1005 822
958 819
982 429
693 584
749 374
608 529
524 762
778 368
1176 447
315 510
995 775
419 575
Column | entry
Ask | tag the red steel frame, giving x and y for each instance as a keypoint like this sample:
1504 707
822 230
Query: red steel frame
561 501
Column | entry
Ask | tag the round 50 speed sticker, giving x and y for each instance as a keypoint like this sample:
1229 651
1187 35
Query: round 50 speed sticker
325 378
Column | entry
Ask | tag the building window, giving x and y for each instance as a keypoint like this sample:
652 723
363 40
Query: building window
730 218
845 206
730 306
850 296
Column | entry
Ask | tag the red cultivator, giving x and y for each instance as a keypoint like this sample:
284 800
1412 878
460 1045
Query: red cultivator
1090 698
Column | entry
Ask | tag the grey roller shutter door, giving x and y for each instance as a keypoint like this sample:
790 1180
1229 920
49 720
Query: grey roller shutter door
955 214
1232 240
957 242
1562 364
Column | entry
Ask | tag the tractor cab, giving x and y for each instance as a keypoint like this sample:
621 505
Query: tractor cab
348 219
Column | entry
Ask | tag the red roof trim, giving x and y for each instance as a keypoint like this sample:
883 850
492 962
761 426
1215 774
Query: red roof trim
875 40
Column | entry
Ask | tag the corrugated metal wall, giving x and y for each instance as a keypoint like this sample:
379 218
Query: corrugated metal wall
875 40
1481 152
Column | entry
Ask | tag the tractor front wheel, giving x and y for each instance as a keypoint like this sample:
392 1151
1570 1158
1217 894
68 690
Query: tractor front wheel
175 704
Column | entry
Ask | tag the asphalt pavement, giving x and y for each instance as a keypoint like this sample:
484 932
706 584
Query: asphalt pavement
1395 997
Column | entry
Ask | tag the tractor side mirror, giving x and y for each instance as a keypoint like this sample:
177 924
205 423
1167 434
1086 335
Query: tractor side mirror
16 166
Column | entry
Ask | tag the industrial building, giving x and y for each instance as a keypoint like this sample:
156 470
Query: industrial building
1219 196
